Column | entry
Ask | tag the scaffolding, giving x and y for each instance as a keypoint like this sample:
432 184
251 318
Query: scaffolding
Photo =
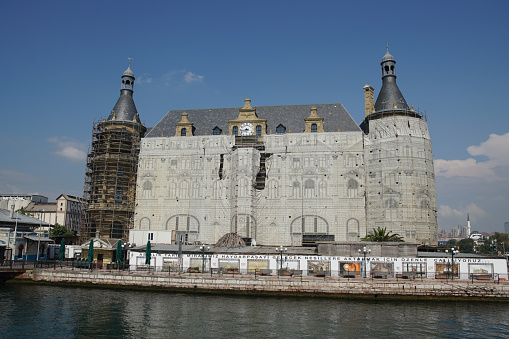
110 180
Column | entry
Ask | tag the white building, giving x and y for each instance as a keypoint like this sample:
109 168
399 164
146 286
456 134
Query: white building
288 175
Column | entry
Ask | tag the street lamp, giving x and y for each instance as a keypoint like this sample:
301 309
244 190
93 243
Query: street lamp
39 240
281 250
202 249
364 251
453 251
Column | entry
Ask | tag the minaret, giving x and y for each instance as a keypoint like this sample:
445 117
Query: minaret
110 180
468 225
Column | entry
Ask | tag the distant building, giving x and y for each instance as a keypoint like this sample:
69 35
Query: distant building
66 211
506 227
21 235
20 200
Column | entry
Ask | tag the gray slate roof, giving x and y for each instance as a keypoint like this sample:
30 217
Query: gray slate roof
291 116
125 109
390 93
5 219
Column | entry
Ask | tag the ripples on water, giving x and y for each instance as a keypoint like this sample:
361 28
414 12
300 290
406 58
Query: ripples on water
48 311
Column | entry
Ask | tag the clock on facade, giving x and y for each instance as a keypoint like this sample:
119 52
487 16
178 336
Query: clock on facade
246 128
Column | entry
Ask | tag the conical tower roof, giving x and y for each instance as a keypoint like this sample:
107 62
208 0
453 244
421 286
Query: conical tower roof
390 97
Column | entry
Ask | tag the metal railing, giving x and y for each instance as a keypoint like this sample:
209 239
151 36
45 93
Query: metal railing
125 268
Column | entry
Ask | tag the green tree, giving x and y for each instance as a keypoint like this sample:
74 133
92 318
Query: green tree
466 245
451 243
23 211
381 235
499 242
59 231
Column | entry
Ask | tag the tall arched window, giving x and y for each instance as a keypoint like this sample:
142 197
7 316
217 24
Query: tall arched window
353 188
235 130
352 230
391 209
147 190
309 188
184 190
322 189
173 190
313 128
258 130
296 189
183 132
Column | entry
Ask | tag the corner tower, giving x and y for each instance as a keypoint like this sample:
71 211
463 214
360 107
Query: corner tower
110 178
400 184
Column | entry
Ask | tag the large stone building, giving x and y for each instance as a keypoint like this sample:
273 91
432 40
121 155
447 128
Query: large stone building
288 175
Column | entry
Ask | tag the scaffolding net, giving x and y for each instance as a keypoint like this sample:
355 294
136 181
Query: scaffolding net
110 180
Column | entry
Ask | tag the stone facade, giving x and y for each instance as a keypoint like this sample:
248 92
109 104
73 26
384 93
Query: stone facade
289 175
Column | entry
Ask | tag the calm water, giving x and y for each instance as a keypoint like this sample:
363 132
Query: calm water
48 311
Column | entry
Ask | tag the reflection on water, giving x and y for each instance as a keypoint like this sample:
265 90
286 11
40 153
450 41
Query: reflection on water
48 311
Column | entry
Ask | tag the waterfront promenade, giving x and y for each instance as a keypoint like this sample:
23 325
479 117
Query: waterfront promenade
390 288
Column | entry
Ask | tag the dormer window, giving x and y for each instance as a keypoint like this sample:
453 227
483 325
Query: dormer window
280 129
216 131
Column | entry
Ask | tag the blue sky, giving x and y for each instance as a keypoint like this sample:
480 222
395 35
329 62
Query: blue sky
62 62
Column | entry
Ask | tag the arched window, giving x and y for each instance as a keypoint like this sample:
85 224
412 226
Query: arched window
313 128
145 224
280 129
183 132
216 189
296 189
235 130
352 230
322 189
173 190
258 130
273 189
309 188
216 131
353 186
184 190
391 209
147 190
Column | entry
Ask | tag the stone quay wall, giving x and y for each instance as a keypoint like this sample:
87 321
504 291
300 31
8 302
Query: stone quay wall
292 286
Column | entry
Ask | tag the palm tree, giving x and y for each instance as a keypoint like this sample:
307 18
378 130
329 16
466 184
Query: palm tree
381 235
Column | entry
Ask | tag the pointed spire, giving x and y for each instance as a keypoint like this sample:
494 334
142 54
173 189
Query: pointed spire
390 97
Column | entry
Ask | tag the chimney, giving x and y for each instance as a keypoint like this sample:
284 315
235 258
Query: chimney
369 101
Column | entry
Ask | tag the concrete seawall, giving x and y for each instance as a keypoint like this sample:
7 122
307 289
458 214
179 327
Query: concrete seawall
310 286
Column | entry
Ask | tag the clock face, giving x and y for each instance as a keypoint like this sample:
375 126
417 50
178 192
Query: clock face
246 129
